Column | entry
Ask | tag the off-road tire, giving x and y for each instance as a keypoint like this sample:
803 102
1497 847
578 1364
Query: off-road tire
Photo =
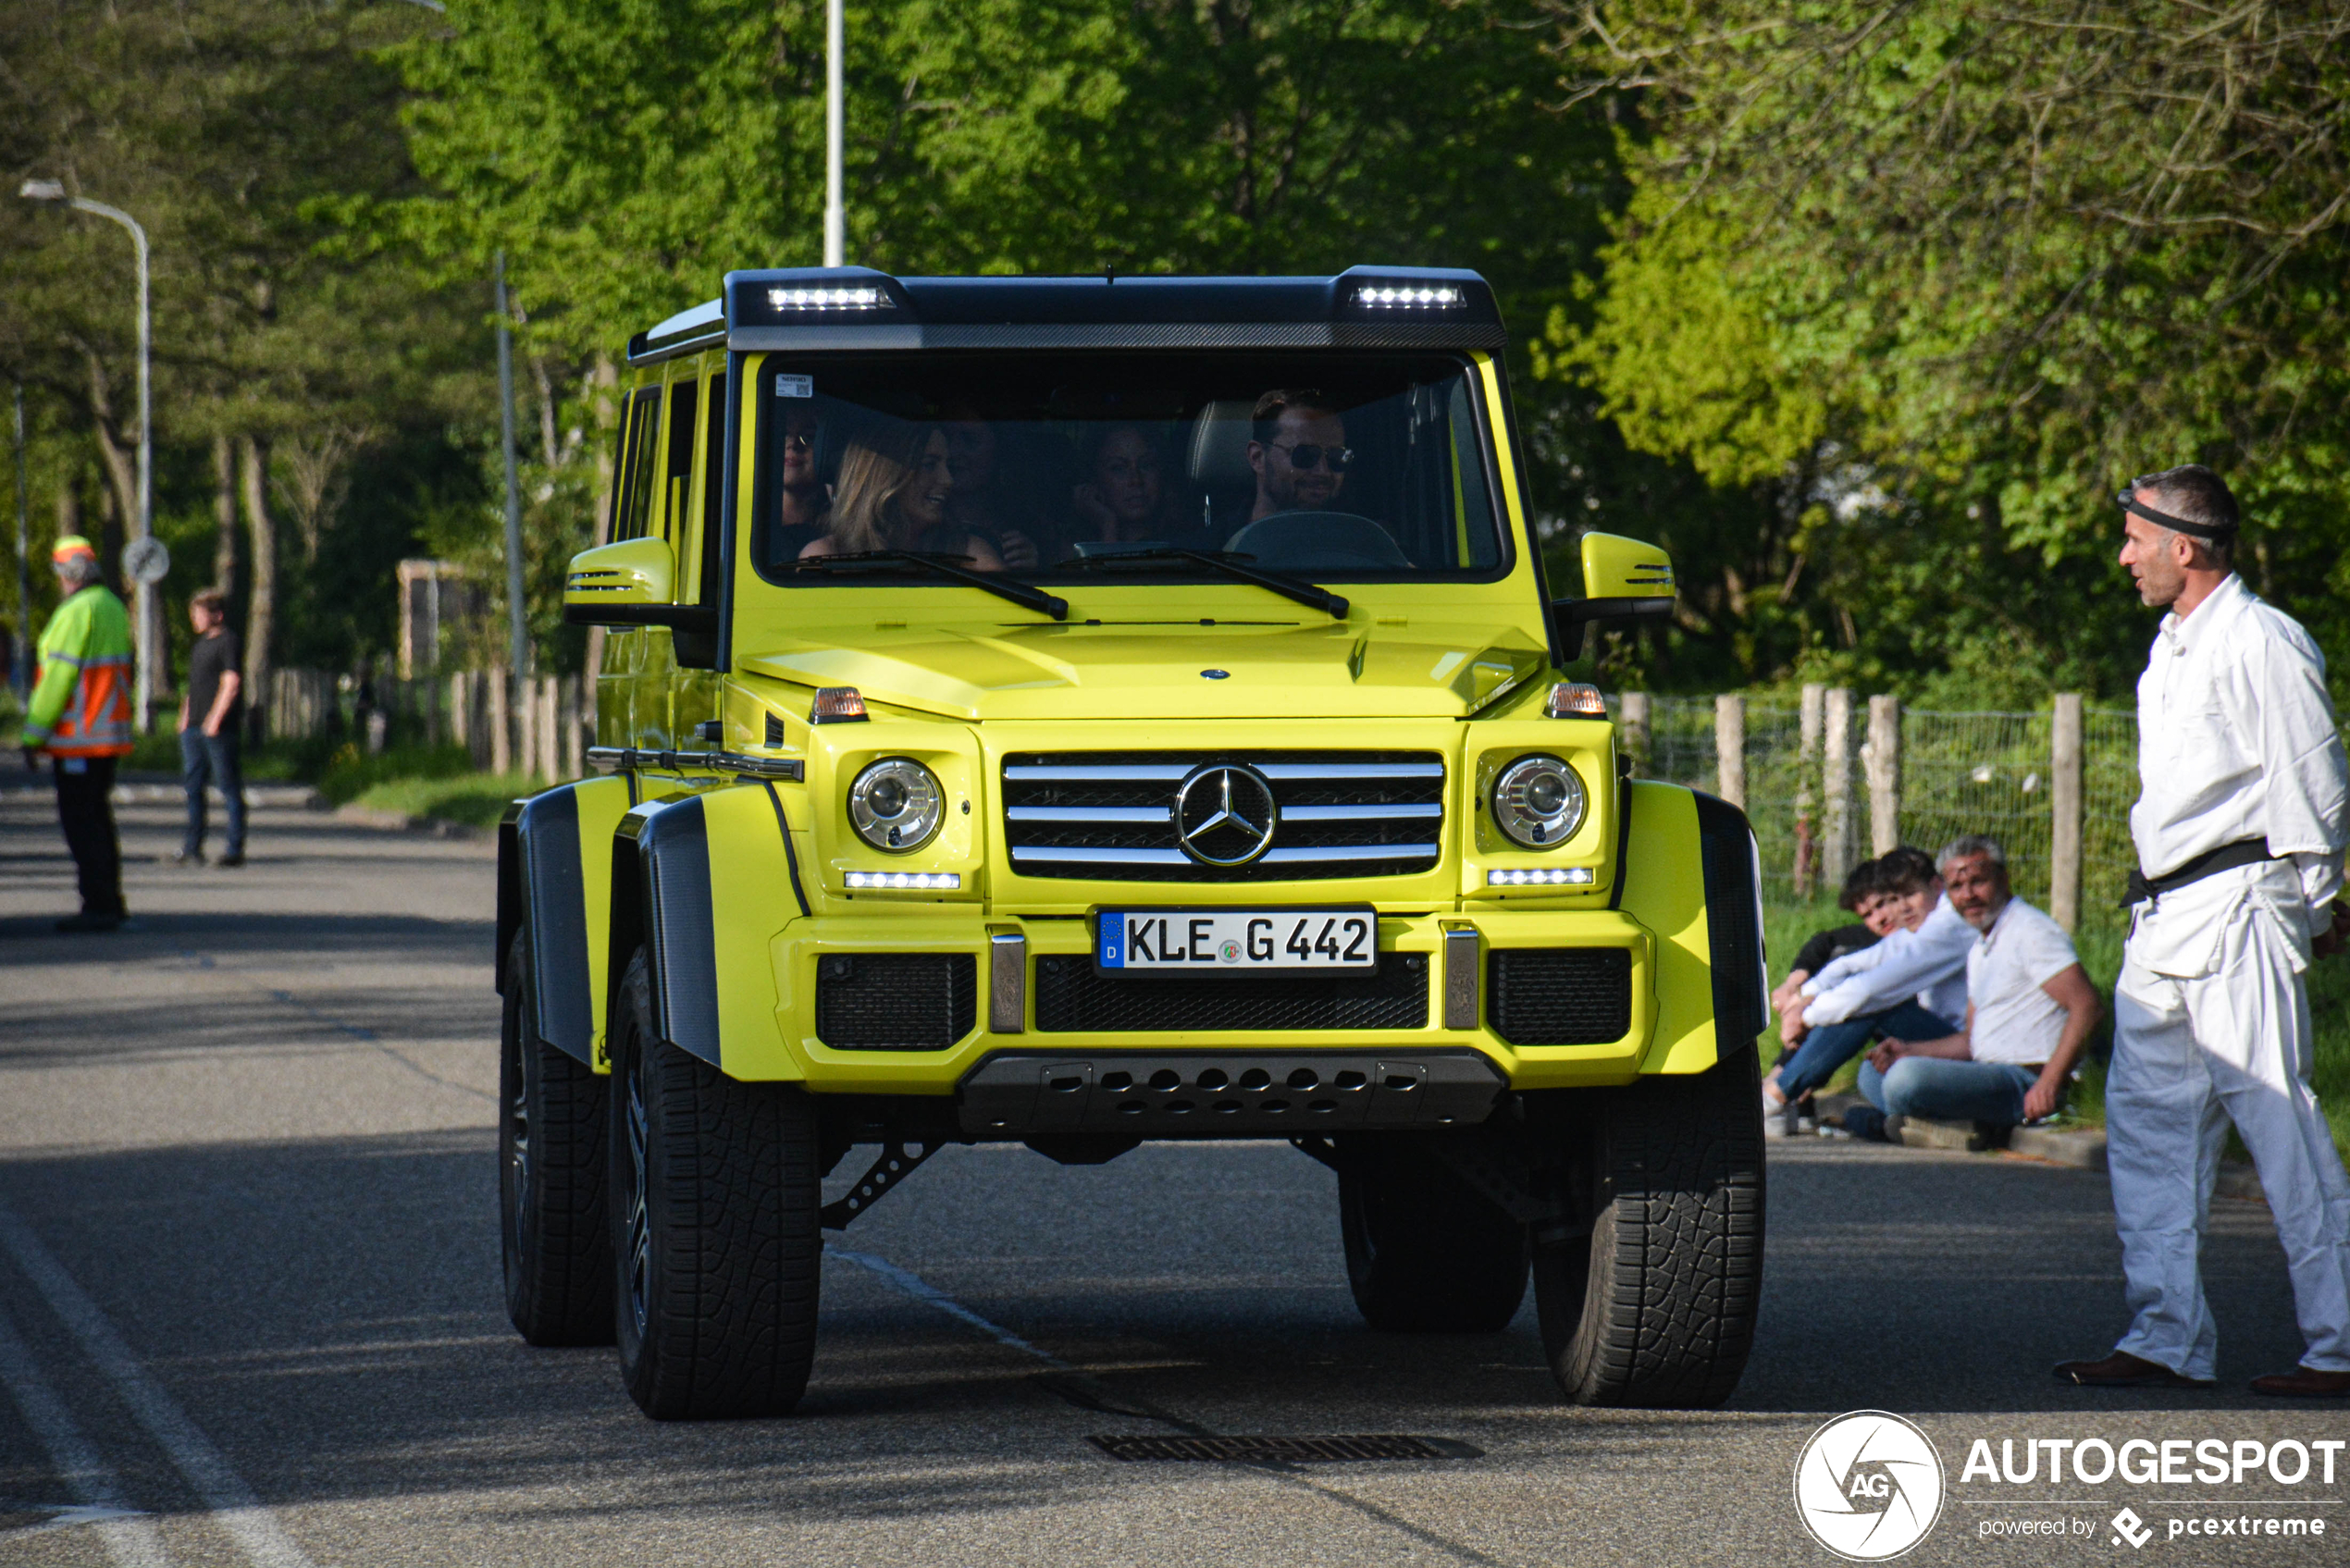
715 1246
1426 1253
1656 1309
552 1147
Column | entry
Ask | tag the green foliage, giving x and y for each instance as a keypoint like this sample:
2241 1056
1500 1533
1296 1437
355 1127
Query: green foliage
1929 280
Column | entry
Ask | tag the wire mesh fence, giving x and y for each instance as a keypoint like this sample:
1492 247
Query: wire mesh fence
1987 772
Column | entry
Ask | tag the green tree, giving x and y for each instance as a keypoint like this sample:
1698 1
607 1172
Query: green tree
1923 281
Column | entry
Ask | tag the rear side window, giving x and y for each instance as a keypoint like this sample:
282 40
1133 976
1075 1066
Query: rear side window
714 487
633 489
678 473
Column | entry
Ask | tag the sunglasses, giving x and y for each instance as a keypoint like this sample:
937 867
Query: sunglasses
1309 456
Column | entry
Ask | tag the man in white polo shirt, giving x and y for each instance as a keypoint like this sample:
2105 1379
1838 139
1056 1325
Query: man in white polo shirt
2030 1009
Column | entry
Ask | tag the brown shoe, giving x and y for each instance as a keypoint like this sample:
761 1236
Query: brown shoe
2305 1383
2122 1370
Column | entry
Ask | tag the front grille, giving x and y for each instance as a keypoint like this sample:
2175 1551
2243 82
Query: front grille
1110 815
1559 995
895 1001
1071 998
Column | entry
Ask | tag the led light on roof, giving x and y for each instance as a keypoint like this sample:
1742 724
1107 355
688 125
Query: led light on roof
864 298
1541 876
1574 699
925 880
1411 296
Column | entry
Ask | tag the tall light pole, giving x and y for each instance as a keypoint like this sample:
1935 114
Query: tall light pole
20 666
836 219
150 629
517 625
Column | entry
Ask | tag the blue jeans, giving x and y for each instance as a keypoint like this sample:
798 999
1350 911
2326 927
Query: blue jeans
1943 1089
1829 1046
212 758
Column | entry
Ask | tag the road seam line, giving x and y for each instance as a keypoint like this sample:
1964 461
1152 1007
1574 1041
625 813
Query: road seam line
131 1538
1082 1387
225 1492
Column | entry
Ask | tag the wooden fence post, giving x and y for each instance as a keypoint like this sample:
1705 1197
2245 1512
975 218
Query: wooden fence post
1807 854
1882 757
1835 787
574 758
502 729
1730 747
2065 845
550 750
1635 728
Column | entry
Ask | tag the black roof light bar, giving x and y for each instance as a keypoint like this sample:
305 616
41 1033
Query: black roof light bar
855 307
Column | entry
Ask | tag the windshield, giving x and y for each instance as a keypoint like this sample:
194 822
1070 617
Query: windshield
1347 467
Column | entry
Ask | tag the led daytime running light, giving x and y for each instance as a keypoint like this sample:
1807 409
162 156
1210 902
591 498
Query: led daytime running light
867 298
1544 876
1411 297
926 881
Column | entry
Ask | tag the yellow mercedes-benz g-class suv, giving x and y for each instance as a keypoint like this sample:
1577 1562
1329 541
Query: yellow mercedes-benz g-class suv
1079 710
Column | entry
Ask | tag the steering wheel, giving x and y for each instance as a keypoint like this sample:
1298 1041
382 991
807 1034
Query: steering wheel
1319 541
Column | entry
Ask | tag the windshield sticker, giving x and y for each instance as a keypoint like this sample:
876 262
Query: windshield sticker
794 386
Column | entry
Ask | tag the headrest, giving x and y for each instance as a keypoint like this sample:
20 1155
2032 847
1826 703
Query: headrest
1219 445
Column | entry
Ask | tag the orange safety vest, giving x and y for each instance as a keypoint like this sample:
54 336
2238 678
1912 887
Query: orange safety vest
81 704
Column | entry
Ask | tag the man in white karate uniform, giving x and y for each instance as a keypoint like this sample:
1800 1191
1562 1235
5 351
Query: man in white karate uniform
2240 827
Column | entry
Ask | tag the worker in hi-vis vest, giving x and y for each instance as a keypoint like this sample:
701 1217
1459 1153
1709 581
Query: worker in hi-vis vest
80 715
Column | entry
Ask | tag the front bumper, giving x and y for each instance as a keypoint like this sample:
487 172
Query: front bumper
1450 954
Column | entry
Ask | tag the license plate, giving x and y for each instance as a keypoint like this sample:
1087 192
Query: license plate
1236 942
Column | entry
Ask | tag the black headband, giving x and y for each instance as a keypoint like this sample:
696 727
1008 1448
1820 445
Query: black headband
2130 502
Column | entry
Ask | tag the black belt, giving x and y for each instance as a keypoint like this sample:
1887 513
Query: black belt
2211 862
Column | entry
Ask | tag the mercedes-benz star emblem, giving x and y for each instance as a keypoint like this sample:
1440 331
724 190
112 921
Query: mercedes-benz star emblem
1224 814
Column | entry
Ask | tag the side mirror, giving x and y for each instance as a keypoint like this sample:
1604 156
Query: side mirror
629 584
1623 580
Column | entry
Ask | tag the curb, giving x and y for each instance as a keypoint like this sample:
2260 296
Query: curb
2083 1148
297 797
400 822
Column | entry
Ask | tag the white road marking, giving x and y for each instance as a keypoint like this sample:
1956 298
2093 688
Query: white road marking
131 1540
224 1491
914 1284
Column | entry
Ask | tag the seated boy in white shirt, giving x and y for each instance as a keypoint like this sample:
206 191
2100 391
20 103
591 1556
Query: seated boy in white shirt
2030 1011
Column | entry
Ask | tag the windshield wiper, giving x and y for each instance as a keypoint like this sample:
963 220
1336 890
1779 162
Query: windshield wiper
1227 562
1019 593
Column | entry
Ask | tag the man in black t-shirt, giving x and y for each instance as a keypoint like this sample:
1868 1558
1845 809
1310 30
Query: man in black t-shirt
211 720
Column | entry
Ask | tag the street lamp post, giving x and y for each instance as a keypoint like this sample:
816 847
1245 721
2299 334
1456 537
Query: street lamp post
150 633
835 218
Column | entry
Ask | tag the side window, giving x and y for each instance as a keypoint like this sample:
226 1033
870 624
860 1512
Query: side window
677 473
632 490
714 487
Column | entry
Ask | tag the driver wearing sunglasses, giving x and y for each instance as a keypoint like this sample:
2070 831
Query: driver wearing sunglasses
1298 451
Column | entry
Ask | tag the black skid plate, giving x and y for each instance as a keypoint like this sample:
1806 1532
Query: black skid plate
1223 1093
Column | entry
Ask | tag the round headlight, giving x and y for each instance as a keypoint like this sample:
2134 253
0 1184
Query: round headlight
1539 801
897 804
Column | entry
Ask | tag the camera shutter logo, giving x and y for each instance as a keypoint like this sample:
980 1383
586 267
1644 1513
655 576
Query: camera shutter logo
1868 1486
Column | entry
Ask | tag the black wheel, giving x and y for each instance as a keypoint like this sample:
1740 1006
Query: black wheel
716 1251
1426 1253
551 1179
1656 1309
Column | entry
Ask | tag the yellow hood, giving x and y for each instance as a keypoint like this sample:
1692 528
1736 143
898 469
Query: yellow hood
1059 670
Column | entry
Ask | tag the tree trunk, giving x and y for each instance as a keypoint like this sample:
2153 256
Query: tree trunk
120 453
253 456
605 380
224 516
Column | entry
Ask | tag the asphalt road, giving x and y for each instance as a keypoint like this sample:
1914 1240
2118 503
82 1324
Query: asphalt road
249 1309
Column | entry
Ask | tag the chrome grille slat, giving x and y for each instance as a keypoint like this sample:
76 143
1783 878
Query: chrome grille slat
1277 772
1420 811
1110 815
1088 813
